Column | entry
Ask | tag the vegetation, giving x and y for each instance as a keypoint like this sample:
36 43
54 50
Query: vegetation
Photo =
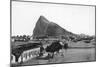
20 38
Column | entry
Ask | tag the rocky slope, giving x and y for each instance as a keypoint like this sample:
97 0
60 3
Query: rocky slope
46 28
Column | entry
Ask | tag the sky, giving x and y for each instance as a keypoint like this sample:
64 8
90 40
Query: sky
74 18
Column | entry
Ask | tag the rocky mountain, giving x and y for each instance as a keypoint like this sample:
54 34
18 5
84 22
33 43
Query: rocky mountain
46 28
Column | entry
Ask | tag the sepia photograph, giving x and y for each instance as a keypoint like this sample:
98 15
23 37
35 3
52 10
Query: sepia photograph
51 33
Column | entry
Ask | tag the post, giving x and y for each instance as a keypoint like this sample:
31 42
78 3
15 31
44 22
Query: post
21 58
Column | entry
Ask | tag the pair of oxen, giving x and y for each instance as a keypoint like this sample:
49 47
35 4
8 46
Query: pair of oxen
55 48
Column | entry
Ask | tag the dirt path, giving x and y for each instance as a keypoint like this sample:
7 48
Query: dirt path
70 55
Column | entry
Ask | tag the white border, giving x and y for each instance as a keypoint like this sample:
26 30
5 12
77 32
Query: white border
5 33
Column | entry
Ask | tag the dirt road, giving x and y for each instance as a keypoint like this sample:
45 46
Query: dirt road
70 55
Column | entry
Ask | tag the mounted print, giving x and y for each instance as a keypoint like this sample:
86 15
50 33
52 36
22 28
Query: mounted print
52 33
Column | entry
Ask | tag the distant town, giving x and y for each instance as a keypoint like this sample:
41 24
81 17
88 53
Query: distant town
26 38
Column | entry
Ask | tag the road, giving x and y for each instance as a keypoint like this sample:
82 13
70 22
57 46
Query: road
70 55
